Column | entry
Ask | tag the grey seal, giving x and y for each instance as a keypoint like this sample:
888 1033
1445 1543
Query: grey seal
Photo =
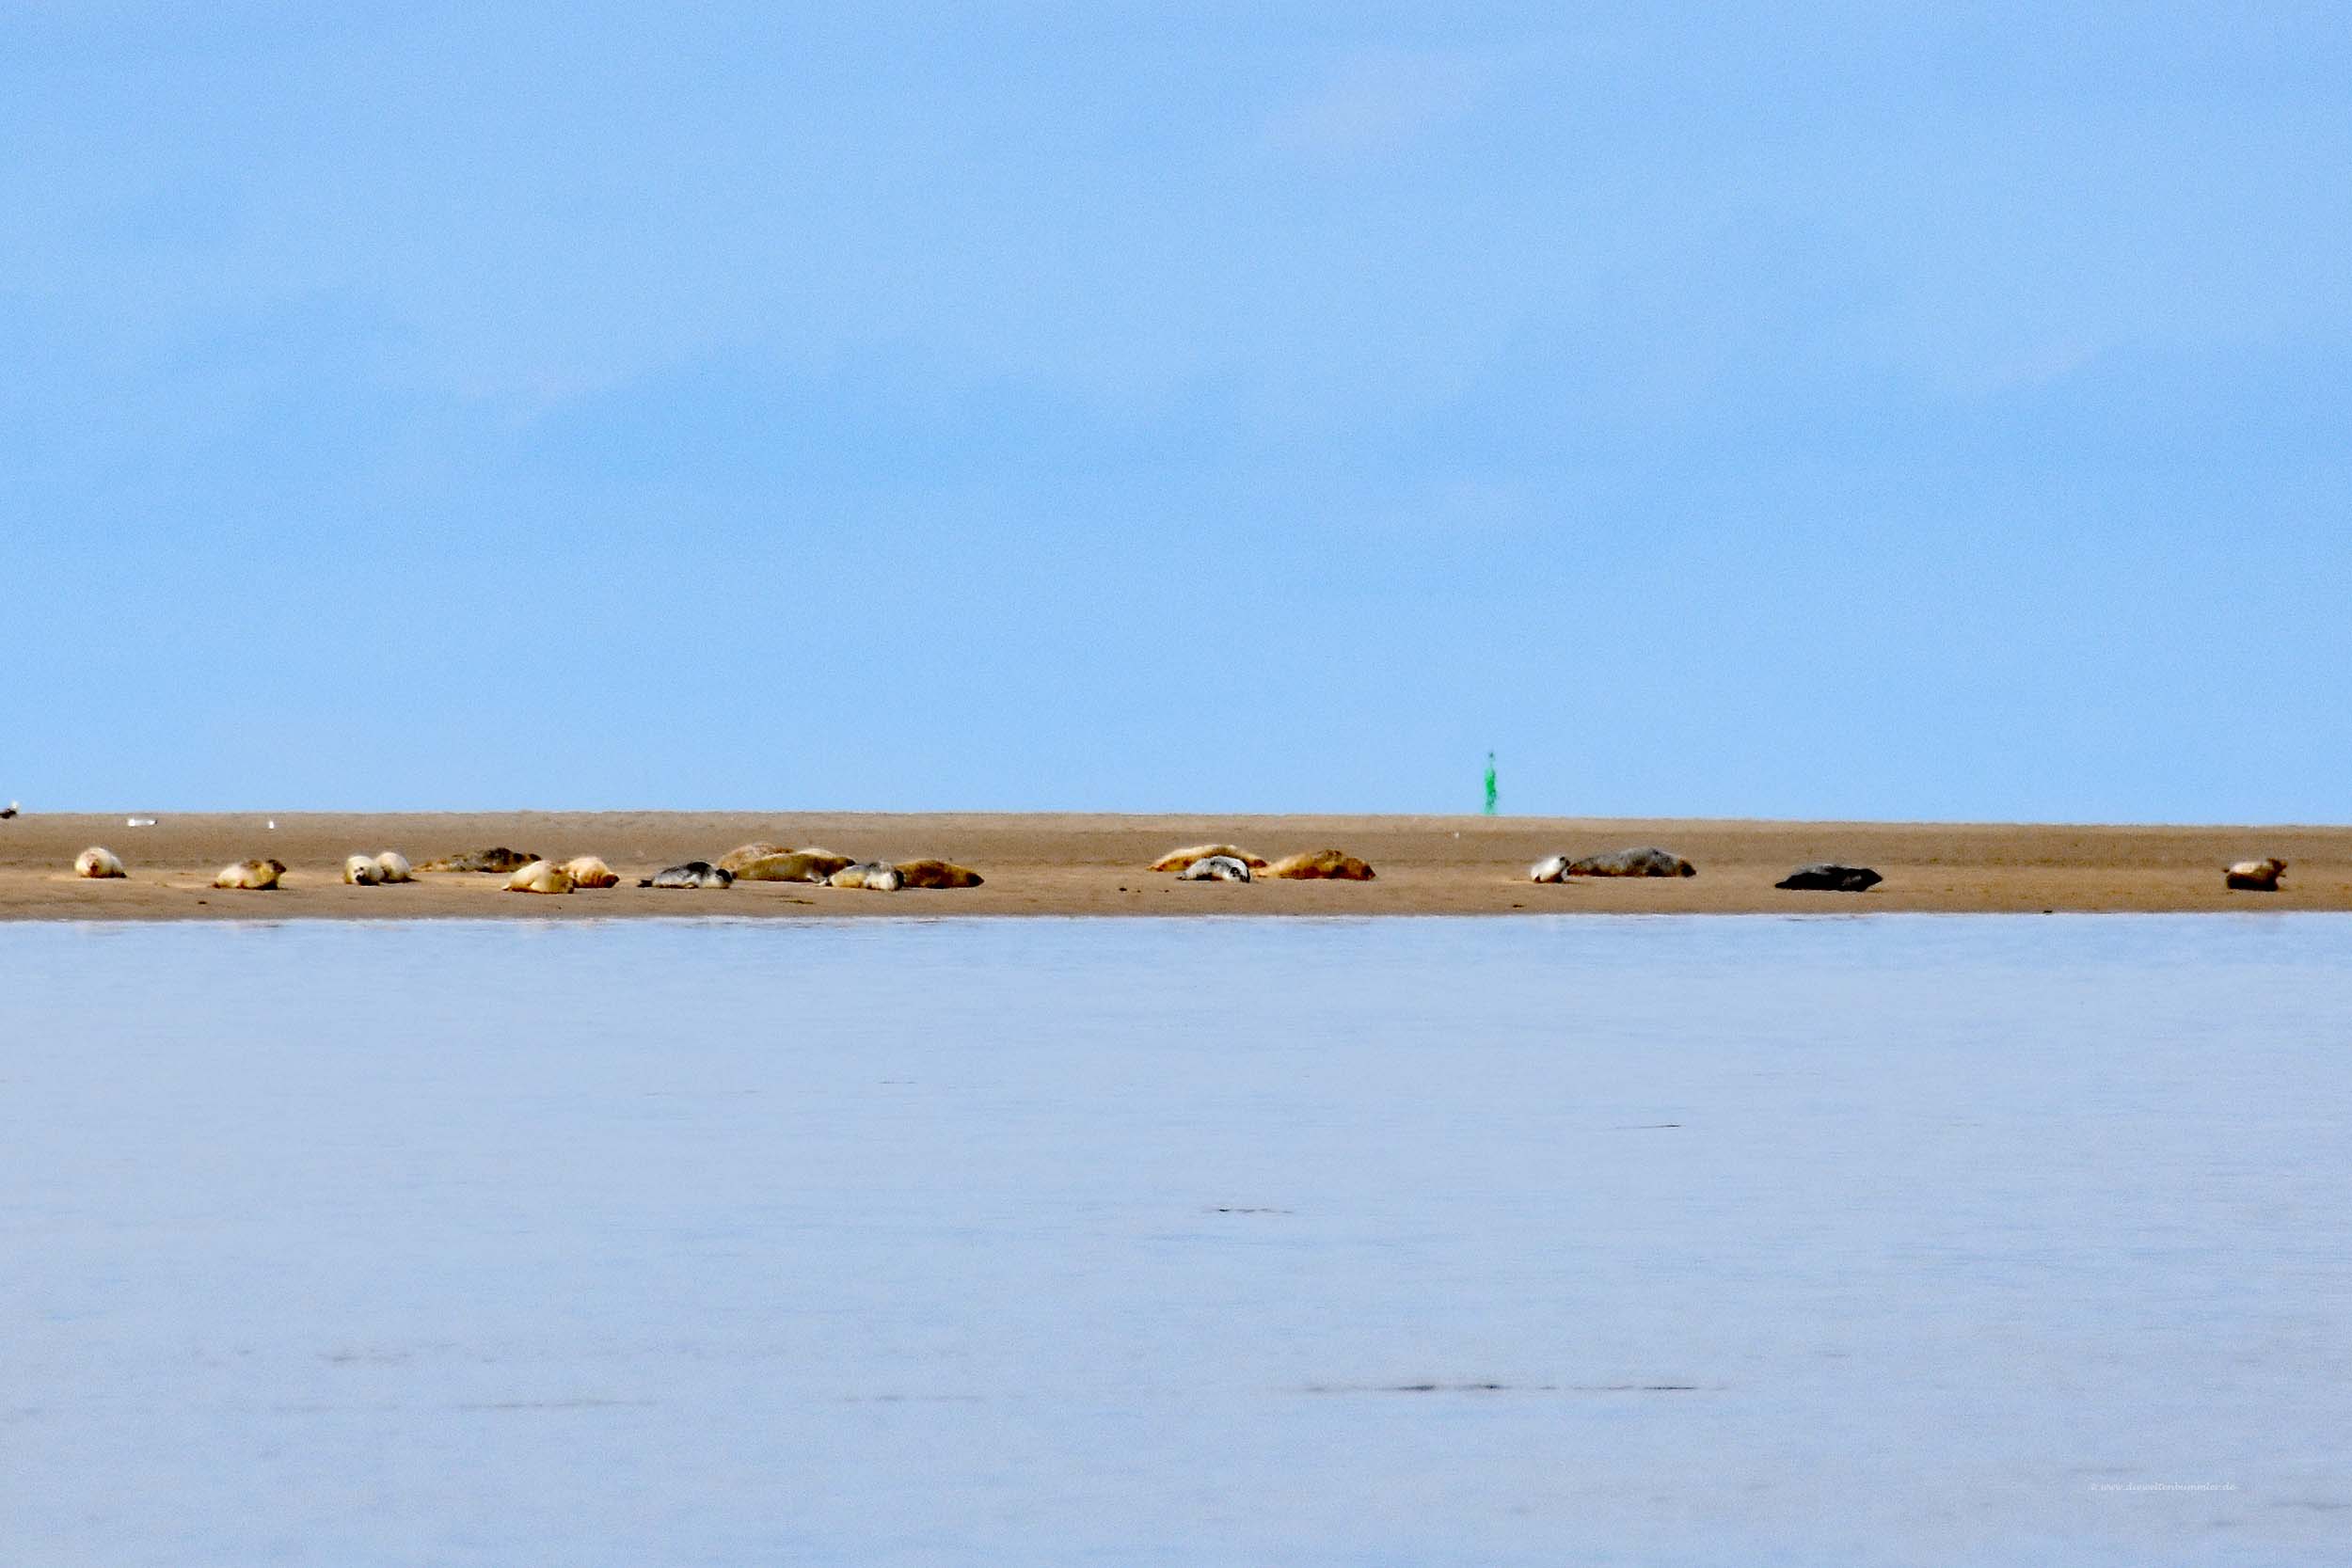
1648 861
694 874
500 860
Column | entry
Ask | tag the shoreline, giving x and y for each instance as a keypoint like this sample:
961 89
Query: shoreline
1093 865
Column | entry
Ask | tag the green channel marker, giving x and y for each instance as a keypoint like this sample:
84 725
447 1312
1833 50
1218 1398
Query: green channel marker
1490 783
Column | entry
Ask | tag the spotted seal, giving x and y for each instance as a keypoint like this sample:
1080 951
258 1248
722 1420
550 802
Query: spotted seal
743 854
1215 868
873 875
1630 862
251 876
937 874
1176 860
1320 865
694 874
789 865
500 860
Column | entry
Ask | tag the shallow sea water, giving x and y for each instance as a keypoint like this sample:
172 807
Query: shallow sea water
1713 1241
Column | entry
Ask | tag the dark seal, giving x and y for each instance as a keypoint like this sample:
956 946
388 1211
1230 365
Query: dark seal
1822 876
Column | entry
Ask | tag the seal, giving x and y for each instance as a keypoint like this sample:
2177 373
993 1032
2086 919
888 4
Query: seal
743 854
937 874
789 865
1824 876
1632 863
251 876
588 871
694 874
97 862
1551 868
1215 868
2256 876
873 875
392 866
1320 865
539 876
362 871
500 860
1176 860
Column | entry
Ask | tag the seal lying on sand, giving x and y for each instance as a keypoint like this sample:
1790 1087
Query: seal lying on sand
499 860
743 854
2256 876
363 871
1320 865
694 874
392 866
1632 863
1822 876
937 874
588 871
789 865
97 861
252 876
1551 868
873 875
1215 868
539 876
1176 860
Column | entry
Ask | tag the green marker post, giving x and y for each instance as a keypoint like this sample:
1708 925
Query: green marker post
1490 783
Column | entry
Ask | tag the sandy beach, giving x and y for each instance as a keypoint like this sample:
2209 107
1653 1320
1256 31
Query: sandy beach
1094 864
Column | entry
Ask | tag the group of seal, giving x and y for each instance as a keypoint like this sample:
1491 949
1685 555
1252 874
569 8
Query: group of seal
257 876
763 862
760 862
1224 862
377 870
1650 861
1201 863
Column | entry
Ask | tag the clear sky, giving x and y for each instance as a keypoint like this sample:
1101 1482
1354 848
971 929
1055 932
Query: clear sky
1777 409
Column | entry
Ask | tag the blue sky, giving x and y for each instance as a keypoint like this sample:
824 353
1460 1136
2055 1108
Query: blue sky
1879 411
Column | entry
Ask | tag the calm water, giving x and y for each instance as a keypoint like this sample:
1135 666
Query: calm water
1711 1241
